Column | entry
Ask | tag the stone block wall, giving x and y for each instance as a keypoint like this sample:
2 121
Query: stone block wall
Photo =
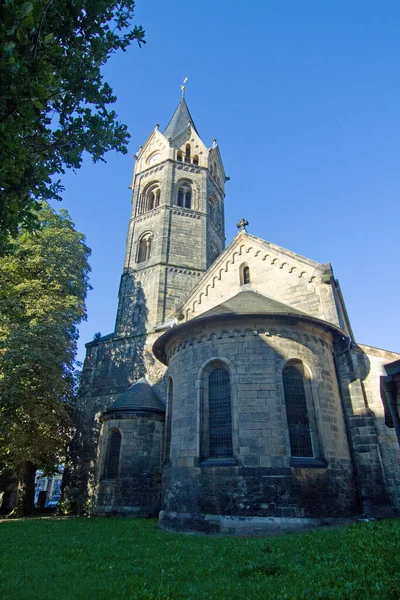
275 272
263 481
137 489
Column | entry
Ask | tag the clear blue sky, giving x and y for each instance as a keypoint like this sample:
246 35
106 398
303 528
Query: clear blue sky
303 98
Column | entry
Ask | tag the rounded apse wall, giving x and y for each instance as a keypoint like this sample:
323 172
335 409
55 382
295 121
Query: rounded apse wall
255 427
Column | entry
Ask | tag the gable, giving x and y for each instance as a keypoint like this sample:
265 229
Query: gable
155 146
278 273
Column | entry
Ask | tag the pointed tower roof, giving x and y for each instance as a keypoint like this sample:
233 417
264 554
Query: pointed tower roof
140 396
179 120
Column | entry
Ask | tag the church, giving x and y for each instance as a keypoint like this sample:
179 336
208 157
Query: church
231 396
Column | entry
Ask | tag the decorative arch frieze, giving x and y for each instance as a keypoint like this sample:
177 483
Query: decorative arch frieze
243 249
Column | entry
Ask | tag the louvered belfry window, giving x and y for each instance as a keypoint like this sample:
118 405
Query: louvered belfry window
220 413
114 447
297 412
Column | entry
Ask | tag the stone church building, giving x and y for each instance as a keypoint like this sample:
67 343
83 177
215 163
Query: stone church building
232 396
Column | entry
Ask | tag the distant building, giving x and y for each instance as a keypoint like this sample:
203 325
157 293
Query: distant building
232 395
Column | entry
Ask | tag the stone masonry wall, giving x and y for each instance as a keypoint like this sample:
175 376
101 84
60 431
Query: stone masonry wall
137 489
263 482
283 276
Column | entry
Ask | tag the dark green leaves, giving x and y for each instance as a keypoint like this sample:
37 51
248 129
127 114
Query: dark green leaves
55 104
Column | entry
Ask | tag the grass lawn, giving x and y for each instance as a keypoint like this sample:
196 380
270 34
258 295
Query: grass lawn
124 558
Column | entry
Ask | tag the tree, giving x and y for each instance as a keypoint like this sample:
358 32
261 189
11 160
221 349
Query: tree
54 104
44 281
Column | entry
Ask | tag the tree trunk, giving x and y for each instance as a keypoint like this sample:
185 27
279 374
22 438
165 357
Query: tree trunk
26 490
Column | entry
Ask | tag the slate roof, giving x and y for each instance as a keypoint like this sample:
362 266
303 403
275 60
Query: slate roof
140 396
179 120
248 302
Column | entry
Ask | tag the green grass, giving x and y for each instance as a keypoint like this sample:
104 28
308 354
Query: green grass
123 558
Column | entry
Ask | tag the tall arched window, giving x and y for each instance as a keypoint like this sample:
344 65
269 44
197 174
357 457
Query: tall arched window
300 411
212 207
214 253
187 153
179 155
150 198
168 428
184 198
195 159
144 250
216 412
113 451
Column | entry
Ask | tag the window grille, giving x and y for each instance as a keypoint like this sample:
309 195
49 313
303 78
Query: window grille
296 409
220 416
114 447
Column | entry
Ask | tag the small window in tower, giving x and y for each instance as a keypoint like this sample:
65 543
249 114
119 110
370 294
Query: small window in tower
179 155
157 198
180 197
195 159
136 314
144 251
213 251
151 200
188 199
187 153
211 208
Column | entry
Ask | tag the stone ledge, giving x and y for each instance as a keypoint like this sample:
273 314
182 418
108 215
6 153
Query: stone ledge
233 525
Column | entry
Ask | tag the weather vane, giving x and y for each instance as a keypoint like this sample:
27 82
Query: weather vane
183 87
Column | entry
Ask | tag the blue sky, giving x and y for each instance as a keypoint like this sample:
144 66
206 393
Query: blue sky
303 98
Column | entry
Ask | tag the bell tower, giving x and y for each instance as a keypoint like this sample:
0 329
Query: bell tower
176 228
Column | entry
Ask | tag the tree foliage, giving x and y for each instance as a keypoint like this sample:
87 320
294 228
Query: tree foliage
55 103
44 281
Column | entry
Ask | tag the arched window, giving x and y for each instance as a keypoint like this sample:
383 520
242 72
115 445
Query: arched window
187 153
136 313
168 428
216 412
213 251
113 452
144 250
244 274
300 411
151 200
179 155
195 159
184 198
212 207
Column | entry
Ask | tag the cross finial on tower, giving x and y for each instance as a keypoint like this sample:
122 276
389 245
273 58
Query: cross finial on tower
242 225
183 87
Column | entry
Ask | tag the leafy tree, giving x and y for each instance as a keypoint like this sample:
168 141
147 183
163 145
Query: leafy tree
54 103
44 281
